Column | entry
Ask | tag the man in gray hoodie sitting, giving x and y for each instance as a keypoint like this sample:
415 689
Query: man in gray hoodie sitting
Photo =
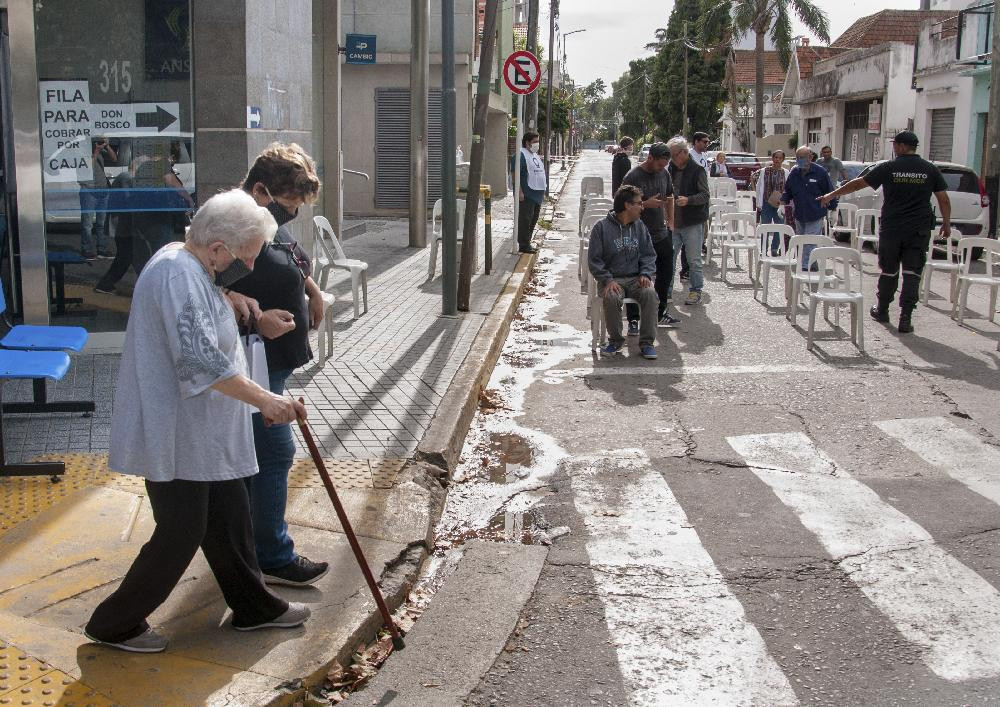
623 261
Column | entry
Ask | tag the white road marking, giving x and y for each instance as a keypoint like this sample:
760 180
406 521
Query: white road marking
960 454
646 369
934 600
682 637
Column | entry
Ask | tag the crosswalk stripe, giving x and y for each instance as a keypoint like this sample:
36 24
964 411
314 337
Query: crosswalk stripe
934 600
960 454
681 636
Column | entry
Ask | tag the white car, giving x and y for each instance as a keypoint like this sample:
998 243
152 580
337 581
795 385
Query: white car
967 193
644 152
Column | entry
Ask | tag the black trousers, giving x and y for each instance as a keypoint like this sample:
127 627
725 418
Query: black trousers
527 217
121 263
901 249
213 515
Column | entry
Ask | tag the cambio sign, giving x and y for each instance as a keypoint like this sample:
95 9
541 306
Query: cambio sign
70 121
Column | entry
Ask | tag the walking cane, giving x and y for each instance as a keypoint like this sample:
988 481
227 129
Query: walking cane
397 638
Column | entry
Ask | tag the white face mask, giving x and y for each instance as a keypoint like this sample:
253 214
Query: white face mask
534 147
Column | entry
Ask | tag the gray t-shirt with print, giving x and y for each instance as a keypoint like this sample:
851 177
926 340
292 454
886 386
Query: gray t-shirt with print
168 422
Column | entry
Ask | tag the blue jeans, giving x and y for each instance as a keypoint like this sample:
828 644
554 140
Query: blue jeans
808 228
93 220
691 237
268 488
771 214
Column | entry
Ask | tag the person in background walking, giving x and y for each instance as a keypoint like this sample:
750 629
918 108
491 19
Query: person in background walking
182 420
699 144
718 167
94 204
532 194
658 214
805 183
622 259
831 164
622 163
770 183
907 220
690 183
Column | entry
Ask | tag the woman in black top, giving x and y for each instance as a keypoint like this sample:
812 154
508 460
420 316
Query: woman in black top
282 179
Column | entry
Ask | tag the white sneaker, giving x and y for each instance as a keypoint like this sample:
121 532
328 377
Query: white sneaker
295 615
149 641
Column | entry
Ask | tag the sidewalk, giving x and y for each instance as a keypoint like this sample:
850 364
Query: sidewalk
64 546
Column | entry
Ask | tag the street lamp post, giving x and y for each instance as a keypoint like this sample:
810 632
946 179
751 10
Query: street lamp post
565 78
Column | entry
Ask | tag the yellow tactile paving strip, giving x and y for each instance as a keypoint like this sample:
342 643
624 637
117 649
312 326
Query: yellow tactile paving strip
24 497
25 680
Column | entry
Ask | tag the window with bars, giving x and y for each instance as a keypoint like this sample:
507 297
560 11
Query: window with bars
814 130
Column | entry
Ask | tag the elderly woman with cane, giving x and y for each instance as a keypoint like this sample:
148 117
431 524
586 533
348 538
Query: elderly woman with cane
182 420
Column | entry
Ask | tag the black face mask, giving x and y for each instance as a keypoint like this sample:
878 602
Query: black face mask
232 272
280 213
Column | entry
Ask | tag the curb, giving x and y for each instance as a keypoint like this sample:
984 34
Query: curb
446 434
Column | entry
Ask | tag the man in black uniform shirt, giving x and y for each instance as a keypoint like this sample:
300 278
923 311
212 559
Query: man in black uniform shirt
907 220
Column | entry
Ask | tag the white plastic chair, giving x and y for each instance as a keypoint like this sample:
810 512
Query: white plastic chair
592 185
595 312
839 289
437 225
717 227
739 236
867 222
726 190
949 265
799 276
766 261
335 258
595 204
744 201
966 278
585 227
845 216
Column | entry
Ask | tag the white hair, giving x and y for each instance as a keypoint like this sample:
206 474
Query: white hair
676 144
232 217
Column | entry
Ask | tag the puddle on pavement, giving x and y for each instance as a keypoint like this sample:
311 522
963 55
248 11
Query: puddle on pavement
511 458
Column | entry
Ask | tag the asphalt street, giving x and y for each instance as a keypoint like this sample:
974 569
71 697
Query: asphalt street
748 522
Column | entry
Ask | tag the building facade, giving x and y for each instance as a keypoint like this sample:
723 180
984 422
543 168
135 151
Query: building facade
104 103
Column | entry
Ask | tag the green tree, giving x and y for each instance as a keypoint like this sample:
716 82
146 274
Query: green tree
560 110
706 93
725 21
629 96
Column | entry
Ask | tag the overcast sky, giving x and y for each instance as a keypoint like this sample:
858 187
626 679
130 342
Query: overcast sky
617 31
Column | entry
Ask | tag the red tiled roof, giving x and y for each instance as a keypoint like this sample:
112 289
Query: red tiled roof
888 26
809 55
745 72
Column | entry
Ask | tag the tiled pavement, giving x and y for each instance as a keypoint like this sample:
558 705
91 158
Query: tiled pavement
376 394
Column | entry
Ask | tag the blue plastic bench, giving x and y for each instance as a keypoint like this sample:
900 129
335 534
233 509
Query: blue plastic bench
28 337
34 365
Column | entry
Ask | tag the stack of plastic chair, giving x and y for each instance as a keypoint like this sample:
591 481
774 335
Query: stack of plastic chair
966 278
726 192
585 228
949 265
717 228
766 261
840 288
801 275
739 236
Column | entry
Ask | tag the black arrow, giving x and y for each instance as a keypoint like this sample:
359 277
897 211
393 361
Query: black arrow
159 120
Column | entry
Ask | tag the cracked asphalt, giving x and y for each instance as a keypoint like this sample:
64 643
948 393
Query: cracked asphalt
601 629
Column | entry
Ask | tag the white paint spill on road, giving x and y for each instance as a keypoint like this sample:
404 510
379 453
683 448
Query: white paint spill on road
681 636
934 600
647 370
960 454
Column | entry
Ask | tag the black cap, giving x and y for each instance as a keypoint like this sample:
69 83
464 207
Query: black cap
905 137
659 150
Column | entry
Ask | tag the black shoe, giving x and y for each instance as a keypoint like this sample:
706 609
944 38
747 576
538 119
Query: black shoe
905 323
300 572
879 314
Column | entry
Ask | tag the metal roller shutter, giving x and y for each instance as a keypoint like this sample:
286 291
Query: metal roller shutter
942 132
392 147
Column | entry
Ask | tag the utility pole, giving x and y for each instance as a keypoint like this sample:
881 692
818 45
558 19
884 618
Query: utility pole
476 159
553 11
531 106
991 160
686 125
449 212
420 18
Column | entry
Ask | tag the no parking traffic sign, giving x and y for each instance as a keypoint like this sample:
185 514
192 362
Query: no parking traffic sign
522 72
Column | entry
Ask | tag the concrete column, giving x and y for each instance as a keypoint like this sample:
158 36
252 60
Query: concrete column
328 35
420 14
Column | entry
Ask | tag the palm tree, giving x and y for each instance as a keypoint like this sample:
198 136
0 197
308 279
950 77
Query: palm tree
726 21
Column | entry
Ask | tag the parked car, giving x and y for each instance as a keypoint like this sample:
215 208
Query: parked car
644 152
966 191
741 166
